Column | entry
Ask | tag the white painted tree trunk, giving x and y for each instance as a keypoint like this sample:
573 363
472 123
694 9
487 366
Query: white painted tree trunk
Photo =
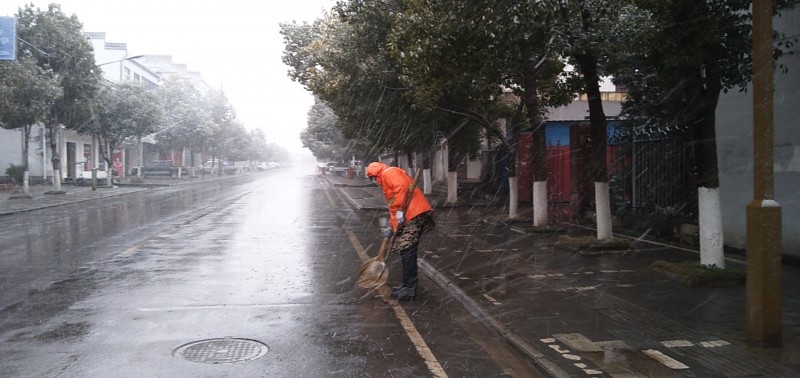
57 180
513 197
603 210
540 203
452 187
427 183
26 189
710 222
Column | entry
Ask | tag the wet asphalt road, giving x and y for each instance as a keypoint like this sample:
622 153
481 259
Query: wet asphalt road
121 287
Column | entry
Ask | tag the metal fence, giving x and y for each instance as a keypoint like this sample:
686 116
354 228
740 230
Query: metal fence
652 169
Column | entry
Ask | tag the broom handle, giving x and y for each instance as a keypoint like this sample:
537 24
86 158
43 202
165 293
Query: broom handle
412 188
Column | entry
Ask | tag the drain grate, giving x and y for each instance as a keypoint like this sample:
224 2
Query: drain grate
227 350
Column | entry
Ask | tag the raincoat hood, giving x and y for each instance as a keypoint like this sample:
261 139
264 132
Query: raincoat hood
375 169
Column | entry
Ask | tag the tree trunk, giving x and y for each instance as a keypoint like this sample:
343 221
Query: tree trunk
56 158
26 169
701 92
708 201
539 145
191 160
427 182
512 138
109 165
587 62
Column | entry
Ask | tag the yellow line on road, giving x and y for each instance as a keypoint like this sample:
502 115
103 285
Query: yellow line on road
405 321
135 248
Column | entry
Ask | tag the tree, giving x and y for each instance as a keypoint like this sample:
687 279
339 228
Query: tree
189 122
223 119
593 31
27 92
699 50
343 60
57 43
457 54
124 110
322 136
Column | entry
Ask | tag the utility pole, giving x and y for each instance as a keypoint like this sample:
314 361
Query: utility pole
763 213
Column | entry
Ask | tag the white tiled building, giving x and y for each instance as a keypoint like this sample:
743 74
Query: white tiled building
79 153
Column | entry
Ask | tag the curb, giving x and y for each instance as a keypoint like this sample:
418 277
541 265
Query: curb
11 212
537 357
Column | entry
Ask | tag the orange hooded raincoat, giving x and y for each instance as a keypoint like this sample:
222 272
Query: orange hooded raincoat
395 183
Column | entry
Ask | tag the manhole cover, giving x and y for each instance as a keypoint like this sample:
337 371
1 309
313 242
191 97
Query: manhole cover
221 351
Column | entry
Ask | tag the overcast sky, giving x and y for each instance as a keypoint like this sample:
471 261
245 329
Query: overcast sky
234 44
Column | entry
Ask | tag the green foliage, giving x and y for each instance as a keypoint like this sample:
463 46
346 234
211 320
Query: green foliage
191 118
343 61
124 110
57 43
27 92
676 70
16 172
322 137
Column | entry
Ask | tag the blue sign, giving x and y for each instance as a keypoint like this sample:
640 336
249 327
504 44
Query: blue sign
8 38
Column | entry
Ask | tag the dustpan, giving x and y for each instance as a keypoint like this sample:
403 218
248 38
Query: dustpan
373 273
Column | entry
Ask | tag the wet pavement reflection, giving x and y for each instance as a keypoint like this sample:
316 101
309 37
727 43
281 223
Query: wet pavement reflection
121 285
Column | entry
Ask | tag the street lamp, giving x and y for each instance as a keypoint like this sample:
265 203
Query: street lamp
120 60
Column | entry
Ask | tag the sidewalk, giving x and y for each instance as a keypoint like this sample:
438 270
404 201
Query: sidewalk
11 201
592 315
43 196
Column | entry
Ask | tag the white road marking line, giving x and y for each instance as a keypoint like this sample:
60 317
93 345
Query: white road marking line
567 354
571 357
579 288
136 247
586 369
664 359
588 272
578 342
557 348
494 301
540 276
714 343
677 343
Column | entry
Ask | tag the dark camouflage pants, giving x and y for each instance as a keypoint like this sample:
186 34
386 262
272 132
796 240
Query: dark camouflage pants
406 244
411 231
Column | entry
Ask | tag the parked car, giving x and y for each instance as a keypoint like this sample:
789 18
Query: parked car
338 169
160 168
212 167
267 166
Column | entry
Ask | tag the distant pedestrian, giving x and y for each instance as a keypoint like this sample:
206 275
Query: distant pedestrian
407 225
